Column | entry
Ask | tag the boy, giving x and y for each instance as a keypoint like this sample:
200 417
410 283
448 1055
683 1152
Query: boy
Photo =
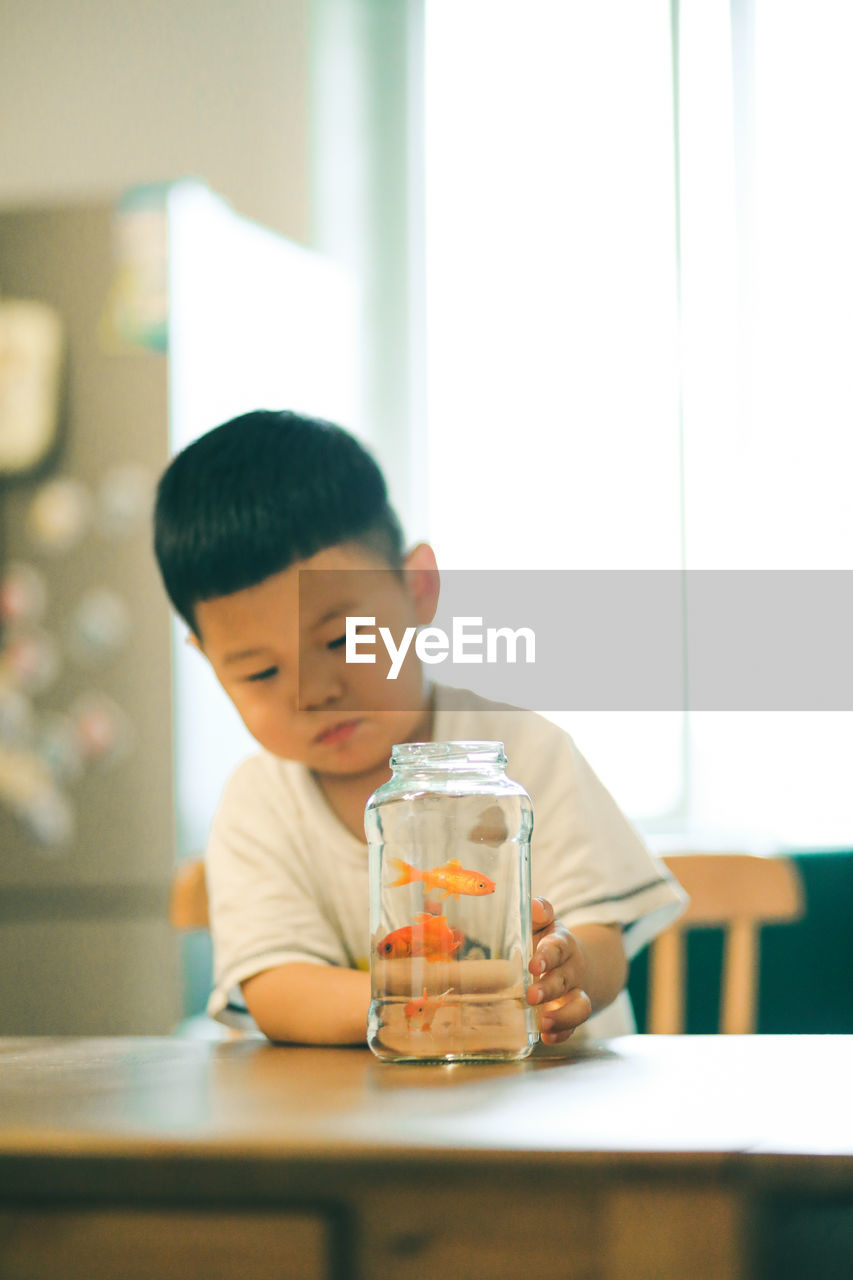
239 514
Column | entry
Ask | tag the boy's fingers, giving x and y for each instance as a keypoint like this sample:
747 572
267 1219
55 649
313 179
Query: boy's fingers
555 987
542 914
552 951
559 1018
553 984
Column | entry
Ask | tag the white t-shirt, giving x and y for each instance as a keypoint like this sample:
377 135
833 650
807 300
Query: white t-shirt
288 882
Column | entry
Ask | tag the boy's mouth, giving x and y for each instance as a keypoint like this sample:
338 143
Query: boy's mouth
339 732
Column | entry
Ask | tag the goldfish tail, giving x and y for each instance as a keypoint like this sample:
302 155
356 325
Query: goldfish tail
408 873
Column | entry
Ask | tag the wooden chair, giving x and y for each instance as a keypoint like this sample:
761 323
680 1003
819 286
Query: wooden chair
188 899
188 910
740 892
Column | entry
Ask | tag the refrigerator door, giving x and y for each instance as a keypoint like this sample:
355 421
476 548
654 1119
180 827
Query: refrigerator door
86 773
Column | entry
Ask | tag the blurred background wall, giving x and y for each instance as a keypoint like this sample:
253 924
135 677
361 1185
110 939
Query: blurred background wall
298 112
96 95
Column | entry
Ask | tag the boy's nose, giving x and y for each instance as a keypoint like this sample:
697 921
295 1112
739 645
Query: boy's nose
319 688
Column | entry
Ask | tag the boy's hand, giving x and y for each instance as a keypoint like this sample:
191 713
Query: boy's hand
558 965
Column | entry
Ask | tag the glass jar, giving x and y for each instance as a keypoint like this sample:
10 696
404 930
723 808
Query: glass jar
450 926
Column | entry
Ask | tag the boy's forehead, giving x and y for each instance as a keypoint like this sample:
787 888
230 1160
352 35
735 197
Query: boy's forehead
343 590
339 577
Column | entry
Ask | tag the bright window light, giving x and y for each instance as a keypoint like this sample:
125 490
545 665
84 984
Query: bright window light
590 406
551 329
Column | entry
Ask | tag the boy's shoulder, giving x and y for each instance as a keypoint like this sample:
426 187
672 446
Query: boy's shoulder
265 780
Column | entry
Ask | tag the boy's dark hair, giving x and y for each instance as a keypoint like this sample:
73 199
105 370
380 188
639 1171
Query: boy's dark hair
260 492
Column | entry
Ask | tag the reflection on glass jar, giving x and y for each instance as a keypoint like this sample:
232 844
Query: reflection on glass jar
449 839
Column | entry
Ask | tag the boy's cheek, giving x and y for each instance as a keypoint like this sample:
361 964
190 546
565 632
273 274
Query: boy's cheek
266 728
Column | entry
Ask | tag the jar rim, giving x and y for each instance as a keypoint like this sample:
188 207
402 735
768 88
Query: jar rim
470 751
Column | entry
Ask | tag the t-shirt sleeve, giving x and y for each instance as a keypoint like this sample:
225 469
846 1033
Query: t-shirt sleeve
264 909
588 860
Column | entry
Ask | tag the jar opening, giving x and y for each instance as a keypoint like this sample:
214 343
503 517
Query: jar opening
447 754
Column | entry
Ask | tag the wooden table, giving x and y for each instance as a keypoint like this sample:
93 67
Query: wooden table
639 1157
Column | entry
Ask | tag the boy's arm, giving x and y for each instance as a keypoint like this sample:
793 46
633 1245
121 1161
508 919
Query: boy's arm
310 1003
577 972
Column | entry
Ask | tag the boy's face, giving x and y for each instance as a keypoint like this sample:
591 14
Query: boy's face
277 649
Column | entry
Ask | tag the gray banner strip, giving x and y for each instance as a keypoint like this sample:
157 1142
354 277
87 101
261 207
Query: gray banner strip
656 640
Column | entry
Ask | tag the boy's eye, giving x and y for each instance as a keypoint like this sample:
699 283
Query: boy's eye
266 674
337 643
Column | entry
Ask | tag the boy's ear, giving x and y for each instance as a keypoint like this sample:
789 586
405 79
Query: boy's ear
422 581
192 639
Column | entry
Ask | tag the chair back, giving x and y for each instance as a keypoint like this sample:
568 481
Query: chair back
739 892
188 900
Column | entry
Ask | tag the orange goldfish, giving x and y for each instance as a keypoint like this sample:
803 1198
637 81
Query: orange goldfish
430 937
424 1008
453 878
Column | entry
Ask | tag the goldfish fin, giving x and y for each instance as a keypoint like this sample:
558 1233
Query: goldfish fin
454 863
407 872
